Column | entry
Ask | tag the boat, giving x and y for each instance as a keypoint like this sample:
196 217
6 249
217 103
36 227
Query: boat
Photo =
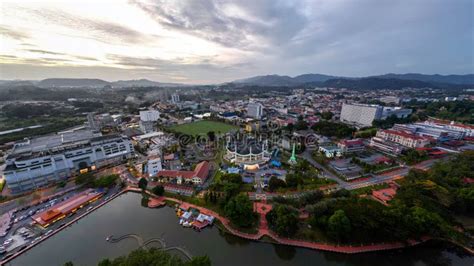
187 224
181 221
109 237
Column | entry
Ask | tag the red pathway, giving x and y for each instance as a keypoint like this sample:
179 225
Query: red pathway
263 230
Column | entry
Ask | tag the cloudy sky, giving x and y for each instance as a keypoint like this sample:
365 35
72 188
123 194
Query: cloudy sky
207 41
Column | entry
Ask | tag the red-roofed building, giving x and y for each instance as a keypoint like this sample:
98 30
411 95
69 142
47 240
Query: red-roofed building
386 194
60 210
351 145
198 176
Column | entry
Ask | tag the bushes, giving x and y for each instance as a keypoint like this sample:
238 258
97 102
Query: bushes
142 183
239 210
283 219
154 256
89 180
339 226
158 190
333 129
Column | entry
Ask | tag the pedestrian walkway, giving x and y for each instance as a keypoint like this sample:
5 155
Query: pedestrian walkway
263 230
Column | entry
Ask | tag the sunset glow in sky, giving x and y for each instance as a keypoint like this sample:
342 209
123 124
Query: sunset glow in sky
189 41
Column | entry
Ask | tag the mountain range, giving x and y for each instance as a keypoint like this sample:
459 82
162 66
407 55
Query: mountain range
386 81
85 83
414 80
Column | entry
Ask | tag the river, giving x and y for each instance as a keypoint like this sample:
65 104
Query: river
84 243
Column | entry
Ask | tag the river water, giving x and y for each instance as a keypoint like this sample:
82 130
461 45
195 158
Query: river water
84 243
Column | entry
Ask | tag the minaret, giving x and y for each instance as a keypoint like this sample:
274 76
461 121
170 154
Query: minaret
292 159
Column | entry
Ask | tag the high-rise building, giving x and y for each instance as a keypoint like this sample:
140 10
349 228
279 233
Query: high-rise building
38 162
148 120
255 110
175 98
362 115
149 115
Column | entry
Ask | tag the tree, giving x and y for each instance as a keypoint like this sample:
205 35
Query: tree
275 183
86 179
211 135
142 183
413 156
105 262
424 221
159 190
69 263
290 127
301 124
283 219
154 256
327 115
239 210
293 180
106 181
232 178
339 226
200 261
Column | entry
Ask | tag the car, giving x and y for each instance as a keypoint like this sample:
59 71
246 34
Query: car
15 221
48 232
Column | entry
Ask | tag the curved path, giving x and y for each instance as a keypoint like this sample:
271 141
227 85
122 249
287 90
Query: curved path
265 231
134 236
153 240
143 244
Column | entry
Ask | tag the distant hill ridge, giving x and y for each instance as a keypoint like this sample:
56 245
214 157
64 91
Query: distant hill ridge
85 82
410 79
390 80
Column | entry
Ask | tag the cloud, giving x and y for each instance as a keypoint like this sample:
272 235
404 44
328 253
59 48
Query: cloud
14 34
101 30
39 51
240 24
215 40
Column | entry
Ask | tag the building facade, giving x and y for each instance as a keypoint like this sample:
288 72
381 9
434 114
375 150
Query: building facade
362 115
38 162
154 165
403 138
148 120
174 98
351 145
255 110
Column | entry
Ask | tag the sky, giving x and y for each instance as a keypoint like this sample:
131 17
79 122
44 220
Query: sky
213 41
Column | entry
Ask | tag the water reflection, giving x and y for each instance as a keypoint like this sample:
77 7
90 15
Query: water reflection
84 243
284 252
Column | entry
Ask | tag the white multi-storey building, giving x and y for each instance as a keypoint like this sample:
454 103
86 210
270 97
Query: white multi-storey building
148 119
255 110
154 165
149 115
175 98
362 115
38 162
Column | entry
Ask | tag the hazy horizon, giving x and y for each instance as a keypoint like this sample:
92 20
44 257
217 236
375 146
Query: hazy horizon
208 42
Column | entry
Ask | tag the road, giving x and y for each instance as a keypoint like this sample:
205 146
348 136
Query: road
326 173
37 233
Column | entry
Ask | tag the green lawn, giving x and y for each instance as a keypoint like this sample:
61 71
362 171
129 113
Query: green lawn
203 127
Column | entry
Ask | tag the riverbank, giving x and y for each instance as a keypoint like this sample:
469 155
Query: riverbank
261 236
264 231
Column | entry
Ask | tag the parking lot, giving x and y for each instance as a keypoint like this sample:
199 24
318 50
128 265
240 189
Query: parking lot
23 232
